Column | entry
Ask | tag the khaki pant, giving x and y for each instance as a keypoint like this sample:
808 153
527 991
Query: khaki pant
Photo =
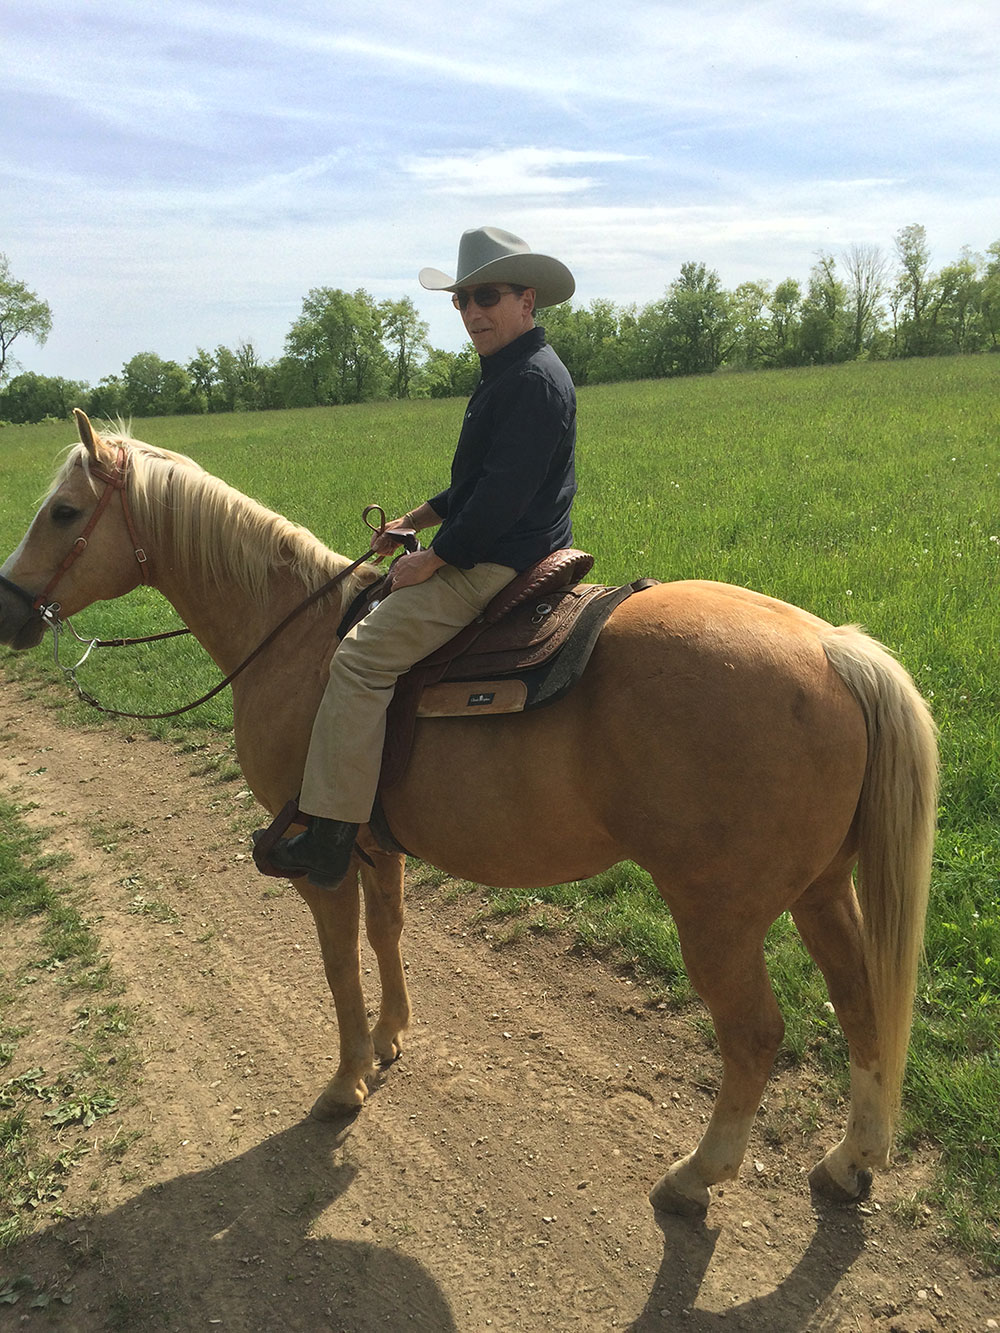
345 752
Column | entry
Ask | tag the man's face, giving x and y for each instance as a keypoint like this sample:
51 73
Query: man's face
492 327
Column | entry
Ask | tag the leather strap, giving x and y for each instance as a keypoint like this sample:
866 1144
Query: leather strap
266 643
113 481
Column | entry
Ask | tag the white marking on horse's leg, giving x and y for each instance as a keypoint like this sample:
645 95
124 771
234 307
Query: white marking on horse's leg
684 1188
829 921
749 1028
845 1172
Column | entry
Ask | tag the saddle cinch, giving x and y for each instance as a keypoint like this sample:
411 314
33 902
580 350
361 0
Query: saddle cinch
525 650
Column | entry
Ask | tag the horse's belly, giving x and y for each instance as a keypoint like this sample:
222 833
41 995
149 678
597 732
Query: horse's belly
503 801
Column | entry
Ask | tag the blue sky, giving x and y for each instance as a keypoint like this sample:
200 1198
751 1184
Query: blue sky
180 175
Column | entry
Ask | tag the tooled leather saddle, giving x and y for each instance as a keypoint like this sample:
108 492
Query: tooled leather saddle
526 649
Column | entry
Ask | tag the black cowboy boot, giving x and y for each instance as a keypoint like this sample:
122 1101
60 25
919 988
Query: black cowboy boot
323 852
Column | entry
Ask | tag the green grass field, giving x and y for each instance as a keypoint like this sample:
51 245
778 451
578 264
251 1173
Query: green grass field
867 493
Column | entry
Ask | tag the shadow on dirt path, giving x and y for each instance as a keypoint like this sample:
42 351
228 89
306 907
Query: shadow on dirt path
688 1252
233 1246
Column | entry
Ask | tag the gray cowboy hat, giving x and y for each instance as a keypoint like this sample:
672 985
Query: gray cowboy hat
488 254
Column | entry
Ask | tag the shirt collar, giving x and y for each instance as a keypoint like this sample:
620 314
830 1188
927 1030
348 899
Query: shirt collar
522 346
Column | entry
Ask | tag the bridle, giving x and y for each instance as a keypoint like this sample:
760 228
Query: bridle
40 603
117 480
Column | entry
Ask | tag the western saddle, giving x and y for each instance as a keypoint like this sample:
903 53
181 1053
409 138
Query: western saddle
525 650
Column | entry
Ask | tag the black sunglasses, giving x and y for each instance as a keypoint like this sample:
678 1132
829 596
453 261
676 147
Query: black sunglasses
484 297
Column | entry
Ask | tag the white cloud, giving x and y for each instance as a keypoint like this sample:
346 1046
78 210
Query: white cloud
513 172
182 175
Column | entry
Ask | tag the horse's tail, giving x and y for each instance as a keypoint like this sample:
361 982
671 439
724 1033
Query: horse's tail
896 819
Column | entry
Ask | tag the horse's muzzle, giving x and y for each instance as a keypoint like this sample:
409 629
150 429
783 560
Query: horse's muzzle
21 623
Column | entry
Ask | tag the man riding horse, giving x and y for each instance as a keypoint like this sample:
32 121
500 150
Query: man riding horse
507 506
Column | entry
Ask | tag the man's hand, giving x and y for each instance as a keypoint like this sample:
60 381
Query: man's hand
415 568
382 544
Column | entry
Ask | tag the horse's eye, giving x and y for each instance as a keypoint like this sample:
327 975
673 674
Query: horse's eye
63 514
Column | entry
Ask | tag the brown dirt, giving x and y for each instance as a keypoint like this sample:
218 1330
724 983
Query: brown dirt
497 1176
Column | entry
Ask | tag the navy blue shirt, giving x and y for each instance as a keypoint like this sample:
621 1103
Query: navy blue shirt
512 477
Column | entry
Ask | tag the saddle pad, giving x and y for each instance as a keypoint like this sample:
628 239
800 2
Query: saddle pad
529 686
462 698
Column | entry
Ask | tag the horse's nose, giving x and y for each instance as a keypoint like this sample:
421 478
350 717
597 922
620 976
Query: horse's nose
20 624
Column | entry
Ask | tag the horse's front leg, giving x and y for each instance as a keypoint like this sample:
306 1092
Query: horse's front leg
337 914
383 889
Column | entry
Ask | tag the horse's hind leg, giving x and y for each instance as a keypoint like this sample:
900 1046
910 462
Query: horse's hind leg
336 913
383 889
730 976
829 922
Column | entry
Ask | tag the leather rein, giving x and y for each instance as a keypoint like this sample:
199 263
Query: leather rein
117 481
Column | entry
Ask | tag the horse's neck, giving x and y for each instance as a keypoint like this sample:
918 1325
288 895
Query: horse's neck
228 621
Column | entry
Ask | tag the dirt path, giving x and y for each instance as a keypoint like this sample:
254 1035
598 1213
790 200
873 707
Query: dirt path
497 1177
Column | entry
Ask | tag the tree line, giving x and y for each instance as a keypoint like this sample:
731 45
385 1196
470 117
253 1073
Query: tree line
346 347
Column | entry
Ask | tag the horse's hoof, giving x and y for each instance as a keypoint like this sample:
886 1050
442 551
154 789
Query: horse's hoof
667 1198
822 1181
334 1103
388 1048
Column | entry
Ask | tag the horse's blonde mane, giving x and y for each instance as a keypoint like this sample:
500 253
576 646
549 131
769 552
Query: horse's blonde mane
212 527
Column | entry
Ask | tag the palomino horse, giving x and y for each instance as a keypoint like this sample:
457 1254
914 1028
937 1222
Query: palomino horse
746 753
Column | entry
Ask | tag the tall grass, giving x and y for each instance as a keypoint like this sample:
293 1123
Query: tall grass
867 493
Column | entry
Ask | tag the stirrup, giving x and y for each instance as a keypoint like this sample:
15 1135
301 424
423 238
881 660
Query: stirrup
264 840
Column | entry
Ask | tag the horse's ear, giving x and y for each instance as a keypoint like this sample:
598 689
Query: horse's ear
87 437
